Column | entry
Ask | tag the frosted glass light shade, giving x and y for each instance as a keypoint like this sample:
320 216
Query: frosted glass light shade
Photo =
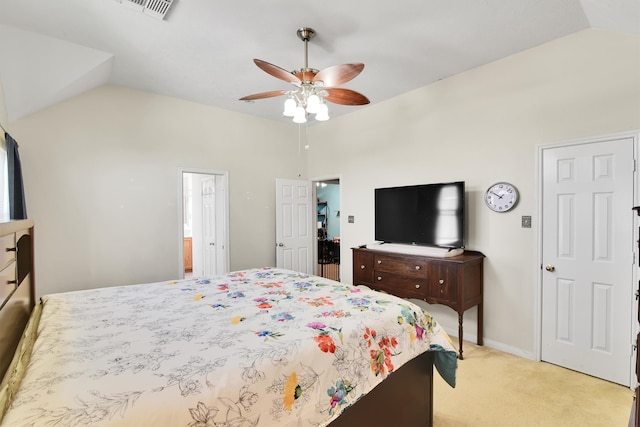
323 113
313 101
289 107
300 116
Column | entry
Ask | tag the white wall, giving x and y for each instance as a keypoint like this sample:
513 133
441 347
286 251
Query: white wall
483 126
101 182
3 110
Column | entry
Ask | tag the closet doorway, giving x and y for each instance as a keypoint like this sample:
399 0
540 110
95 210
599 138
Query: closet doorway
204 213
327 196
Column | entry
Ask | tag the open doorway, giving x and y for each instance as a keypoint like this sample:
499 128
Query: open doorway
204 236
328 225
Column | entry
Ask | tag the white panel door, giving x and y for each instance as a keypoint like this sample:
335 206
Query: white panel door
208 192
221 259
294 231
587 254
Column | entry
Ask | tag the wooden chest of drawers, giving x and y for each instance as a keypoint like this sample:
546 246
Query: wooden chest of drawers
456 281
17 292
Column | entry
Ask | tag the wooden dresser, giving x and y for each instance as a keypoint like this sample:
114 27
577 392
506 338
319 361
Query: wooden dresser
455 281
17 291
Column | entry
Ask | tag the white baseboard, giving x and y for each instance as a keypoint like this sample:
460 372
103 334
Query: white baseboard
496 345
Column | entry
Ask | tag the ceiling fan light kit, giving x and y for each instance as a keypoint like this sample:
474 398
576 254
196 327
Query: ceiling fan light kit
313 88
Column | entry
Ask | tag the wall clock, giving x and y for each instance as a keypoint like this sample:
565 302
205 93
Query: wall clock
501 197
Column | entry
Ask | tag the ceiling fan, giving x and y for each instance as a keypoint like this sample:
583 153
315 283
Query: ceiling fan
312 87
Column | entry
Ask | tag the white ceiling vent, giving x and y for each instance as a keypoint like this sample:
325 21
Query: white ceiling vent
156 8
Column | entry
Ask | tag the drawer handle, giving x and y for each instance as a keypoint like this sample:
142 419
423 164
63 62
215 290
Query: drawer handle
417 286
441 281
379 262
362 267
11 249
417 267
379 278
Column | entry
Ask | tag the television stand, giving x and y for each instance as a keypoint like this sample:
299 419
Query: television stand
417 250
455 281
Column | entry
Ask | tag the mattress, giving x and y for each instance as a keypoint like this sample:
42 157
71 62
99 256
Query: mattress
256 347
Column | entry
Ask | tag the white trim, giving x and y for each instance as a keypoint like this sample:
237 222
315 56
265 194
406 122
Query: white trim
636 258
537 312
225 175
496 345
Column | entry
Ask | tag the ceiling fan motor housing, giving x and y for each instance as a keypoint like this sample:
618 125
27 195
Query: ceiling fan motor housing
305 33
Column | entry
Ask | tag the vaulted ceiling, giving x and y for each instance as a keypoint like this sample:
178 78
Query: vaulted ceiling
203 50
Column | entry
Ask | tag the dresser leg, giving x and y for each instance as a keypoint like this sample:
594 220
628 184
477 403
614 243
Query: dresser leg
460 336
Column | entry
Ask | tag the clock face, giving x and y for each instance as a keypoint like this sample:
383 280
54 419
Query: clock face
501 197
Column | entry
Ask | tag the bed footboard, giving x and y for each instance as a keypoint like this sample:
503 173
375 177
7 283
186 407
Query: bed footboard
404 399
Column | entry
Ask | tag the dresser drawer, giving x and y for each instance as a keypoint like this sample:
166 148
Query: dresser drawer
7 282
443 283
403 266
7 250
401 286
362 268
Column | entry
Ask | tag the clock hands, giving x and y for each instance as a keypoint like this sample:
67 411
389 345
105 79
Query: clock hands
501 197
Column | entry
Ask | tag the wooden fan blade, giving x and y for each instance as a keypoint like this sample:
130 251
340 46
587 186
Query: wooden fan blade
263 95
276 71
338 74
345 96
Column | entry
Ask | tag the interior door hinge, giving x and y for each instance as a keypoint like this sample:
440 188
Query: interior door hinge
635 164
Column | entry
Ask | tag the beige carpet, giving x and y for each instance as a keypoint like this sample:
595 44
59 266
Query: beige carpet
499 389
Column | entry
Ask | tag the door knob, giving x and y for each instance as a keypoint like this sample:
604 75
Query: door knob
550 268
281 244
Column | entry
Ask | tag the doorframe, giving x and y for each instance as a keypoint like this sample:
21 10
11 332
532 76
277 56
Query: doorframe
314 190
180 206
537 312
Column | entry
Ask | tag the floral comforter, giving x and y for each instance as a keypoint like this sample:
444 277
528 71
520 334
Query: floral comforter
259 347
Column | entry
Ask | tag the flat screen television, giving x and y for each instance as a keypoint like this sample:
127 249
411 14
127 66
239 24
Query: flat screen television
428 215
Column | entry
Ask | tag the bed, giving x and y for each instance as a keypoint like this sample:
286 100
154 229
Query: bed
258 347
